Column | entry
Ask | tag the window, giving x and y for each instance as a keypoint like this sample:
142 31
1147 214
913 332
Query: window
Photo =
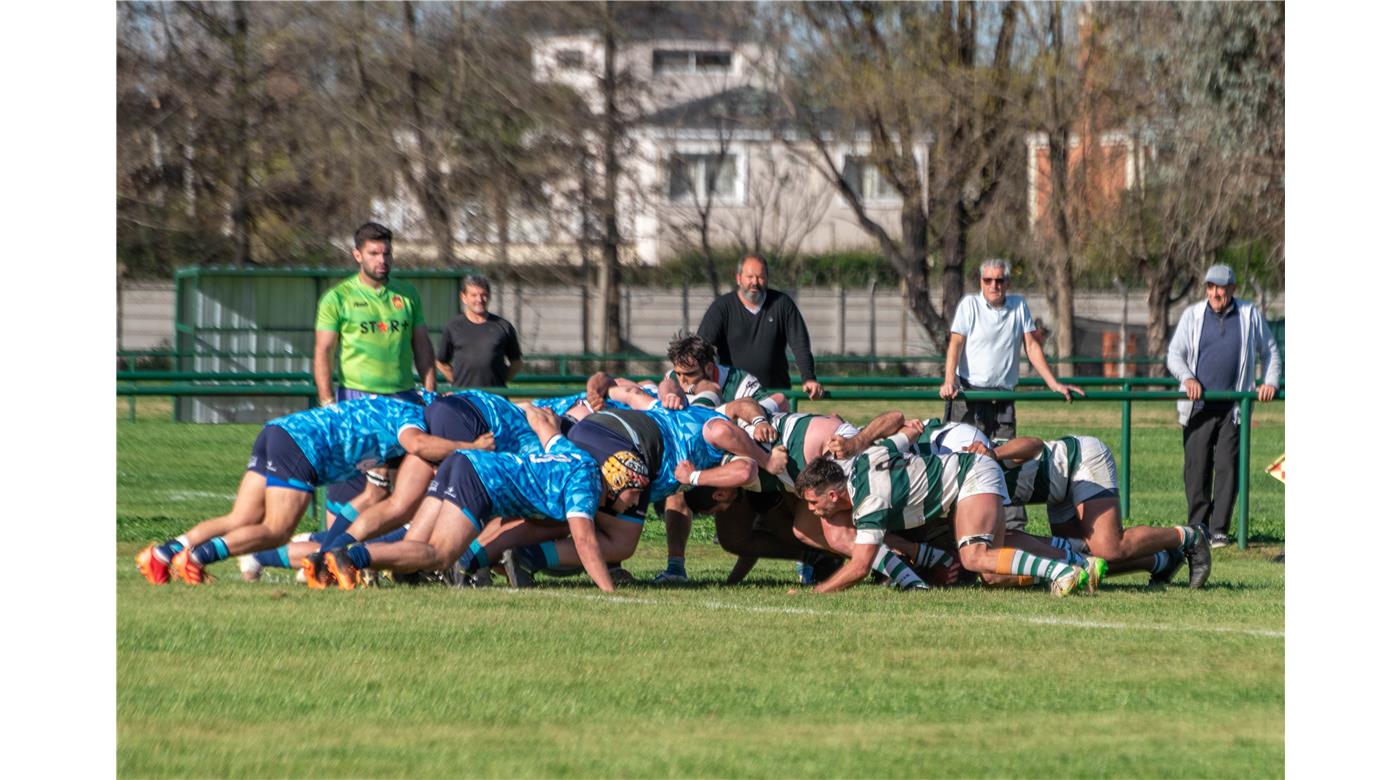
569 59
694 177
689 61
864 177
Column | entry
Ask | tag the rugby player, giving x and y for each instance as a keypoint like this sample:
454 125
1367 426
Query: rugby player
487 420
696 377
556 484
1077 480
291 456
761 523
892 489
667 449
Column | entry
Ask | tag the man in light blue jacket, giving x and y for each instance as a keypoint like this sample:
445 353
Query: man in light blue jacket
1214 348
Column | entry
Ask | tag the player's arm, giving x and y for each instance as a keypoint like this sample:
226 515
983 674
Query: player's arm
736 473
671 392
446 369
586 544
434 448
855 570
423 357
544 422
748 412
1019 449
629 393
321 357
883 426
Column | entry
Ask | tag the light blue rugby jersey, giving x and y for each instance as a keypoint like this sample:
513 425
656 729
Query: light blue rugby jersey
551 484
351 436
506 420
682 431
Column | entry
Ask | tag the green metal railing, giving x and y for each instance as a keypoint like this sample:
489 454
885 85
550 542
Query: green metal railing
1126 395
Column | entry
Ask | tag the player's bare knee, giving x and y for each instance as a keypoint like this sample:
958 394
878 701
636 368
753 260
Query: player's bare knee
975 553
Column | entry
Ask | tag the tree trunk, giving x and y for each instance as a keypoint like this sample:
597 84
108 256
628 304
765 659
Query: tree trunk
1158 308
954 259
430 189
242 215
612 172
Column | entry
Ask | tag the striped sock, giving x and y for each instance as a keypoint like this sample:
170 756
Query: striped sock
276 559
1166 559
1013 561
211 551
1074 549
927 556
1189 536
166 551
474 559
900 574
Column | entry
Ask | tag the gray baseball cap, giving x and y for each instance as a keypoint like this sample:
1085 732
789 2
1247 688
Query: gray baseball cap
1220 275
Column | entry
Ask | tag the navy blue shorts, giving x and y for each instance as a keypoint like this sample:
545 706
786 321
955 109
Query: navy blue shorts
456 483
456 418
278 458
343 492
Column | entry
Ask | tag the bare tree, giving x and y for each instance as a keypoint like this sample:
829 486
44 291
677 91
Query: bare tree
917 86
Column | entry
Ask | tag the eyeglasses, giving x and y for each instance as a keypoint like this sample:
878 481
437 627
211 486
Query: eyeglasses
994 280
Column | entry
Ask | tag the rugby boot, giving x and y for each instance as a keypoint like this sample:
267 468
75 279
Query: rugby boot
313 567
156 571
343 573
184 566
518 572
1198 559
1165 576
1095 569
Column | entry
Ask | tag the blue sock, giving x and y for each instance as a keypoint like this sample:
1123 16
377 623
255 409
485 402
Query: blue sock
211 551
1166 559
675 565
276 559
538 555
340 540
359 555
336 533
167 551
474 559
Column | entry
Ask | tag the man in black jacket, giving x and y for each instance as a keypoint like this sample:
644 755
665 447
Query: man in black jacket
753 326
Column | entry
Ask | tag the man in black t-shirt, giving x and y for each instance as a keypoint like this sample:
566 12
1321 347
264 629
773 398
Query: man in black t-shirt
753 326
478 348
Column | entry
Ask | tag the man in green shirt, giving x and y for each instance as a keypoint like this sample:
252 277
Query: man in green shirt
378 325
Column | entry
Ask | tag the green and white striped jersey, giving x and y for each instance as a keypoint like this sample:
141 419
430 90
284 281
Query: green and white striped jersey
1045 478
893 490
792 433
1068 471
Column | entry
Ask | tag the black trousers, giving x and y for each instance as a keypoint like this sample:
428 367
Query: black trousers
1212 443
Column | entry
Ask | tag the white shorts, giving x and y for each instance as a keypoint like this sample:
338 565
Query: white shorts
1096 477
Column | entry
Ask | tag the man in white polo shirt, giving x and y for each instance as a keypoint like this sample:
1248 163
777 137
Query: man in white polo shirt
984 353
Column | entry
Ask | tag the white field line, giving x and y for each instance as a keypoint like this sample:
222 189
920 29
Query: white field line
1043 621
187 495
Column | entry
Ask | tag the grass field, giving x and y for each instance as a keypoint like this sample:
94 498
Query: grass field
270 679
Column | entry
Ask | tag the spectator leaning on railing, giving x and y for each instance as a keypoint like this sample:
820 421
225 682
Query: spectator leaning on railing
753 326
984 353
1214 348
478 348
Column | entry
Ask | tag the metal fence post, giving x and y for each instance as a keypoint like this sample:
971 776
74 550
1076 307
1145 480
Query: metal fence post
1246 412
1125 495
